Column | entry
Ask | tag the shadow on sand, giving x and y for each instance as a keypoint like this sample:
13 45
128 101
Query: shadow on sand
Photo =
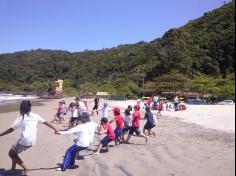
4 172
19 172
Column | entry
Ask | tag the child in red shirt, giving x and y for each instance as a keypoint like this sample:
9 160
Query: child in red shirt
136 124
106 128
119 125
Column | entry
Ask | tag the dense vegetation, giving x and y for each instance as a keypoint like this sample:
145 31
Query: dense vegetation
198 57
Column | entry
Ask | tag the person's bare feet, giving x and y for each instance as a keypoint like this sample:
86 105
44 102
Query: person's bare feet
96 153
25 171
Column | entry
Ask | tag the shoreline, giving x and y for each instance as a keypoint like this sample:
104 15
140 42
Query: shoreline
13 106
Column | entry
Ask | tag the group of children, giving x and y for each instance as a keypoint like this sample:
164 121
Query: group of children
82 127
129 123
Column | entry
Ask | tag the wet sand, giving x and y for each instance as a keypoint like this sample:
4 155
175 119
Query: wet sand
14 106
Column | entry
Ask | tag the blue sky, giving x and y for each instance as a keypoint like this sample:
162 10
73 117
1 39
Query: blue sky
76 25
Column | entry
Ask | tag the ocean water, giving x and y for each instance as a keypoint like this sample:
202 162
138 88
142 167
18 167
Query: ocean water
11 98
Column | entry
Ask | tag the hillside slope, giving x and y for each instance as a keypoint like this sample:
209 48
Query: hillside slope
198 57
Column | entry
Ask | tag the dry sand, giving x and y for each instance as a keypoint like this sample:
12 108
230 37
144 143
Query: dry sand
179 149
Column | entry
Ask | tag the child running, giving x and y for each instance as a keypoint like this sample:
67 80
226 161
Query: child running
135 125
27 122
119 125
106 128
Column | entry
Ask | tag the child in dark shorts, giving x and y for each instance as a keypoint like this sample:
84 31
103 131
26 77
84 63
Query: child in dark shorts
106 128
127 122
135 125
96 103
74 115
150 122
119 125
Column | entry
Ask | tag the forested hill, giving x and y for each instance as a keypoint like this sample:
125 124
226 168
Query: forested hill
197 57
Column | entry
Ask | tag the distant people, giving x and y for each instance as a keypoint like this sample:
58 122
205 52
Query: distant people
170 106
105 128
154 105
176 103
84 136
27 122
151 122
160 108
167 107
136 124
155 101
149 101
73 115
61 112
64 107
96 104
139 101
80 104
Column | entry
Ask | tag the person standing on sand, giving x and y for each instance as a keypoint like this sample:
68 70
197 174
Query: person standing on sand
160 108
96 104
135 125
176 103
27 122
84 136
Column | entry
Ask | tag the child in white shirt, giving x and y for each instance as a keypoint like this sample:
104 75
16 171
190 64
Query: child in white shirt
84 136
27 122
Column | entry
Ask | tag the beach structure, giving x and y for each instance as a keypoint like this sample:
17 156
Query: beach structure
58 87
104 95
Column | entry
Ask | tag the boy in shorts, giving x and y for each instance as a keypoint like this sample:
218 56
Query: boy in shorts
106 128
135 125
119 125
151 122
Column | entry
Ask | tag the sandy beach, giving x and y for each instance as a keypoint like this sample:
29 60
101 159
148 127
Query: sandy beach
197 142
